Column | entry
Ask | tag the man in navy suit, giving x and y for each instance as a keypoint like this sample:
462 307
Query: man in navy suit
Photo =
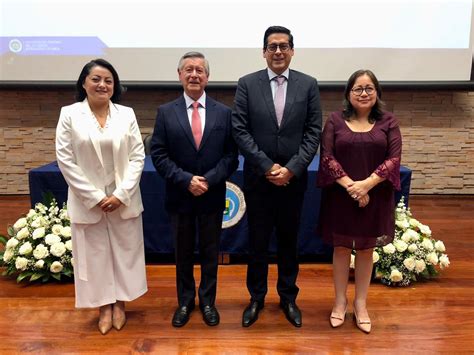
277 126
193 150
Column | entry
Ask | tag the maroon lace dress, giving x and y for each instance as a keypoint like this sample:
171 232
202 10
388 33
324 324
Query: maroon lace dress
358 154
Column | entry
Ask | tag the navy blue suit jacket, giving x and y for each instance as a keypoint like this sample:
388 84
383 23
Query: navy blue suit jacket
176 158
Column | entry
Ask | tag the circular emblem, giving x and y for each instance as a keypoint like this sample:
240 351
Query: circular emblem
15 45
234 205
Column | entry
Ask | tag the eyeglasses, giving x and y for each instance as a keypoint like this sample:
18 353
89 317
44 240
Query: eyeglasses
369 90
284 47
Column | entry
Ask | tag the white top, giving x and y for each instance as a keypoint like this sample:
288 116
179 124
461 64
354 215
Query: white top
201 109
274 83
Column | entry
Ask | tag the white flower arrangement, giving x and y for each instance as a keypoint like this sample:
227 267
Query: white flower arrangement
413 254
39 245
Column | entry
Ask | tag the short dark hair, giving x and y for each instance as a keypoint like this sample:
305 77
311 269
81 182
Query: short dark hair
81 92
277 29
377 110
194 55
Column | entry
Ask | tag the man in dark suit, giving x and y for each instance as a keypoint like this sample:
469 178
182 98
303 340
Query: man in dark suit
193 150
277 126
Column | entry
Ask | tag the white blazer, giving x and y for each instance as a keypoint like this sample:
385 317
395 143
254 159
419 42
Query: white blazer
80 161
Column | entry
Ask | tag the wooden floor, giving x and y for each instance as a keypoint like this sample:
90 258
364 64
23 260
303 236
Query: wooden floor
432 317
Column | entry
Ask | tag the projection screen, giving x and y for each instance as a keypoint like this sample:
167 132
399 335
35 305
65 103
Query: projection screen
412 40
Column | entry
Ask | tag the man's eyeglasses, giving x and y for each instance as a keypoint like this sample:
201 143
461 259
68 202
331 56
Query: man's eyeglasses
369 90
284 47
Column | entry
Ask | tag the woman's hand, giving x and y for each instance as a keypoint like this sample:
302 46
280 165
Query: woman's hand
109 203
364 200
358 189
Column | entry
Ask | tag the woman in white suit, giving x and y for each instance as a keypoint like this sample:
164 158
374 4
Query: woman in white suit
100 153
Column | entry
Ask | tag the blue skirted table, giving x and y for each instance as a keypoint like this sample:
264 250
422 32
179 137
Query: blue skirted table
156 226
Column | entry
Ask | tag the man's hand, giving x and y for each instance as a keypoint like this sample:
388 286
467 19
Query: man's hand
273 168
198 185
280 176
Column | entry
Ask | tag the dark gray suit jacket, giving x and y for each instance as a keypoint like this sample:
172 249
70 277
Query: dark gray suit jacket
255 128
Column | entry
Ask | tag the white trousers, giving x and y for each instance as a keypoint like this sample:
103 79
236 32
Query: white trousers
109 260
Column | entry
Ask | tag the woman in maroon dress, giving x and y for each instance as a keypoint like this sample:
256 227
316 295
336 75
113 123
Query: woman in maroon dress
359 170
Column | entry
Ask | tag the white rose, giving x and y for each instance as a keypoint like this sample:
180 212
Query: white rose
58 249
31 214
411 235
427 244
425 230
25 249
40 252
56 267
409 263
432 258
39 233
444 261
352 263
68 244
51 239
8 255
21 263
419 266
12 242
415 236
414 223
396 276
39 264
20 224
56 229
412 248
402 224
66 231
400 245
406 236
439 245
37 222
389 248
375 256
23 233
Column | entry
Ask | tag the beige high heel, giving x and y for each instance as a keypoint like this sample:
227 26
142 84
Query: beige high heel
364 325
337 319
105 323
119 319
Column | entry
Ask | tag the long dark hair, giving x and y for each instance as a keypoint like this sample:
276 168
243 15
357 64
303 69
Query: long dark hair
377 110
81 92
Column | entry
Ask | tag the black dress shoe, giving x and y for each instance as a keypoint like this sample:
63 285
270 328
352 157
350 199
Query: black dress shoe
210 315
251 313
292 313
181 315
